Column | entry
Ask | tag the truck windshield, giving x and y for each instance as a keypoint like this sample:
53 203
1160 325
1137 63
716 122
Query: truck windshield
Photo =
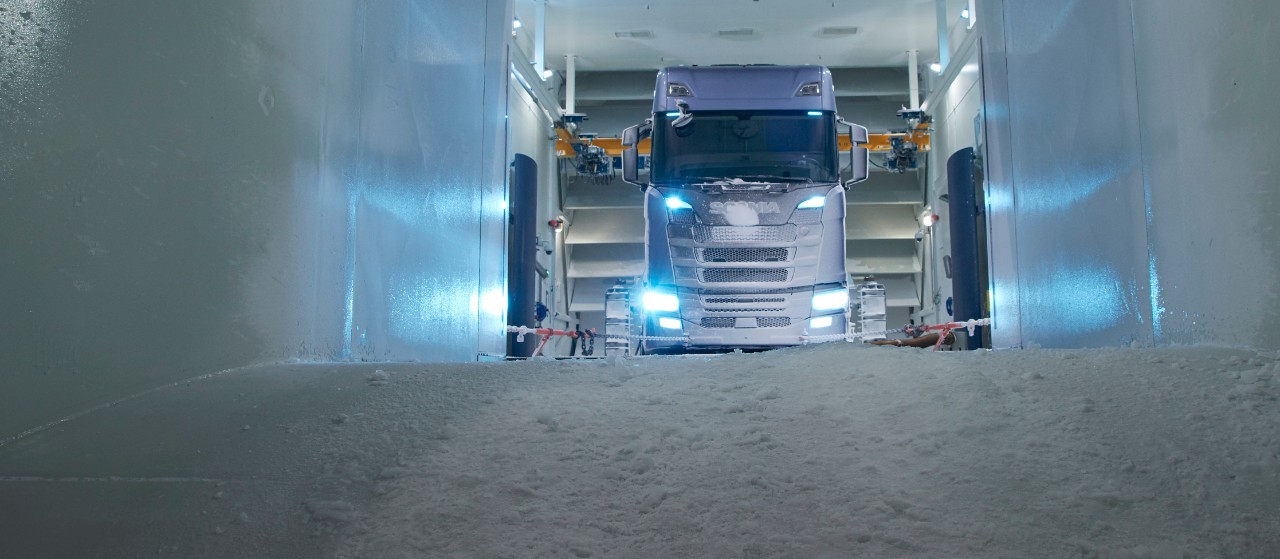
784 146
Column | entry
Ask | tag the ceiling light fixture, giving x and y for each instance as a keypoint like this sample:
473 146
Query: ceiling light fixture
546 74
515 23
937 68
964 14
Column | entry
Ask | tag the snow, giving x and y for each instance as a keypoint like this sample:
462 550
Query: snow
841 450
833 450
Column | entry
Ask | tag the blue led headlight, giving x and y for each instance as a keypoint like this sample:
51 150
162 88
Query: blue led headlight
815 202
678 204
830 300
661 301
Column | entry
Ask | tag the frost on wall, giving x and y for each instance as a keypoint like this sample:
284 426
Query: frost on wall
193 186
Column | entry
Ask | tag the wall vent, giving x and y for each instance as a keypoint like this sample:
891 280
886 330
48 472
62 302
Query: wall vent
839 31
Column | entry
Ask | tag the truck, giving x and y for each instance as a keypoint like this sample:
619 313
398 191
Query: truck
744 209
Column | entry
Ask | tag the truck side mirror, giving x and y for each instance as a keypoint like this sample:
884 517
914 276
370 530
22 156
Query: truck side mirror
631 156
859 156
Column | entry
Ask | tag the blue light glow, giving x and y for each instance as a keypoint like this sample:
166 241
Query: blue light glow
678 204
669 323
815 113
1077 298
673 115
661 302
815 202
831 300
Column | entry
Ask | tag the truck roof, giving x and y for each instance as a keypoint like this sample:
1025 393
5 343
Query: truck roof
745 87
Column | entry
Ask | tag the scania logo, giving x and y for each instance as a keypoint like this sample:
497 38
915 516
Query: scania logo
757 207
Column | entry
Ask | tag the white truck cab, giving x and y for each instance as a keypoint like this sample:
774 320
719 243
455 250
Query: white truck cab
744 208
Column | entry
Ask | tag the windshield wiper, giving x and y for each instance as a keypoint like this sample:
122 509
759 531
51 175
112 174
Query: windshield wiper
773 178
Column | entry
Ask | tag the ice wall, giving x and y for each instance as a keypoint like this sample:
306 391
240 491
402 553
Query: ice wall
1207 79
1129 163
191 186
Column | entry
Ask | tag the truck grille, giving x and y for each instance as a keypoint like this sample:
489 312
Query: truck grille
729 322
728 299
763 233
740 275
807 215
778 254
738 310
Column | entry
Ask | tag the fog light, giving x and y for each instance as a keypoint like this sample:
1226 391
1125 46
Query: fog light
820 322
669 323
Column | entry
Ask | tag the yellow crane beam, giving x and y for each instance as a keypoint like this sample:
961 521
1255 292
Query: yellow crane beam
880 142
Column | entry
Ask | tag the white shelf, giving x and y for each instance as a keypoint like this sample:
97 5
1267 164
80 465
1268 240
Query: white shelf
588 294
880 256
881 222
606 260
886 188
583 194
606 226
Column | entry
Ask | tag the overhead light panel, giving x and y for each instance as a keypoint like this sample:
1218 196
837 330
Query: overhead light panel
742 32
642 34
839 31
937 68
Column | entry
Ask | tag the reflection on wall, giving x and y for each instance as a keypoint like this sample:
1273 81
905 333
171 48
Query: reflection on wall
195 186
1133 173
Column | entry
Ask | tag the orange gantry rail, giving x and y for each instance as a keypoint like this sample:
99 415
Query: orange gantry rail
880 142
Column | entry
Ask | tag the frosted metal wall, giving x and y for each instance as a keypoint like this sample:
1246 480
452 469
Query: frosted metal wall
1131 172
191 186
1207 79
1077 201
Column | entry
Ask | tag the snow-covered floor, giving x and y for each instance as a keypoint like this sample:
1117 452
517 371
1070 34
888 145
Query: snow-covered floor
823 451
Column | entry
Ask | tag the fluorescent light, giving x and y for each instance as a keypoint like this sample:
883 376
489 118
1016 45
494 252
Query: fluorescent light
820 322
671 323
815 113
662 302
678 204
815 202
673 114
830 300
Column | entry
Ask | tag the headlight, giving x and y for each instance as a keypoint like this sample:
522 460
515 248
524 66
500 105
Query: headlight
669 323
831 300
815 202
660 301
678 204
820 322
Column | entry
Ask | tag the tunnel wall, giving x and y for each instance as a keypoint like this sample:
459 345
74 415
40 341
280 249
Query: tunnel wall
1129 163
195 186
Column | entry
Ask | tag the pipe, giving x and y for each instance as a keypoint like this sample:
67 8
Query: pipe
944 50
540 38
913 77
570 82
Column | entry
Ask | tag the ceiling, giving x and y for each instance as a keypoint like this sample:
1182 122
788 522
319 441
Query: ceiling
674 32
